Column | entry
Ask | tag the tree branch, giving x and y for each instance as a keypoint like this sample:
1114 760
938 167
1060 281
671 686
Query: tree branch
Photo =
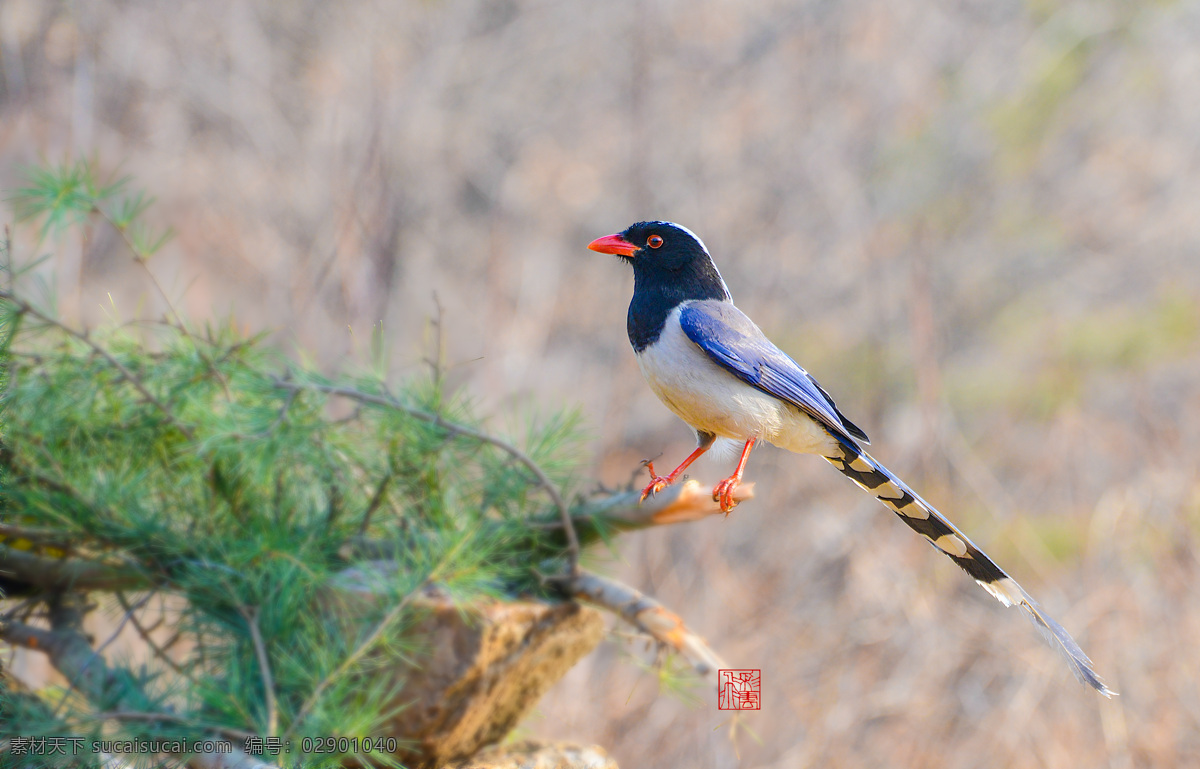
72 655
624 511
650 616
67 573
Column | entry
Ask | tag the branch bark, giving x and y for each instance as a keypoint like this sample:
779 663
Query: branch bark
650 616
56 574
625 511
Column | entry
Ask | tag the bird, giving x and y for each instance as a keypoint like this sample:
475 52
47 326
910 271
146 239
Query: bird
719 373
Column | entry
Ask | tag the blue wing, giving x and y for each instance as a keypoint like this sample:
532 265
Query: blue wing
735 343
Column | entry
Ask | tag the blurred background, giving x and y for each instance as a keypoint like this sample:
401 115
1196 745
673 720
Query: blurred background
975 222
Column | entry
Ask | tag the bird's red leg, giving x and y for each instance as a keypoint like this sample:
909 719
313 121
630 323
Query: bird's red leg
659 482
723 491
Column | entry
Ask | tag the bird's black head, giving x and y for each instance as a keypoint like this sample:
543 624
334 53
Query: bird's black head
670 266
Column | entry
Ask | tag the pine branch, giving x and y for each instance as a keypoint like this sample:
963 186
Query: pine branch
456 429
25 308
353 657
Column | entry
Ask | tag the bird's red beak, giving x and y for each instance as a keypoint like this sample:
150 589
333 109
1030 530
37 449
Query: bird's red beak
613 244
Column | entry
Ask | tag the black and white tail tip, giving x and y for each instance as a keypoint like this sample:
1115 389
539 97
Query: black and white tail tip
924 519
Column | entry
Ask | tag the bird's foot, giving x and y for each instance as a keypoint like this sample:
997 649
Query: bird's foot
657 482
723 493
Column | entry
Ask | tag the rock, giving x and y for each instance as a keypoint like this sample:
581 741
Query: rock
481 668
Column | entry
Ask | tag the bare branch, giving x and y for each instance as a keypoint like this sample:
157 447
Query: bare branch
650 616
140 256
680 503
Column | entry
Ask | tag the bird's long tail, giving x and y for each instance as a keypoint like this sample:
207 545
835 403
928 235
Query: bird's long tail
924 519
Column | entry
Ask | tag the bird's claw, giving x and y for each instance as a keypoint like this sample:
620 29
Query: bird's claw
657 482
723 493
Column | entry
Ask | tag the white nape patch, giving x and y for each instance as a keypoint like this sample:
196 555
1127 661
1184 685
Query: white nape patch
951 544
1006 590
710 399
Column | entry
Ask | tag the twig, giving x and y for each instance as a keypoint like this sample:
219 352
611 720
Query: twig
264 666
457 429
129 611
437 363
138 256
158 651
126 374
376 501
650 616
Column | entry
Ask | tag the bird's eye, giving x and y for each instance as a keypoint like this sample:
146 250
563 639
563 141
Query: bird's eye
654 241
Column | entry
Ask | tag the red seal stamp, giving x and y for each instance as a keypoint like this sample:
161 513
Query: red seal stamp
739 690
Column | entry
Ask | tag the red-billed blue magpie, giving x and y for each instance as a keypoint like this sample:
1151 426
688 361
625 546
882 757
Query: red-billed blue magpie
720 374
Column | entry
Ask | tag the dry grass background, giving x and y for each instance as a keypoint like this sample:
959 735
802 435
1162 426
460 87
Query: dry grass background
976 222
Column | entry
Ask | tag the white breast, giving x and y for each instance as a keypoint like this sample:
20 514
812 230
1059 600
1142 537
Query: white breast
712 400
